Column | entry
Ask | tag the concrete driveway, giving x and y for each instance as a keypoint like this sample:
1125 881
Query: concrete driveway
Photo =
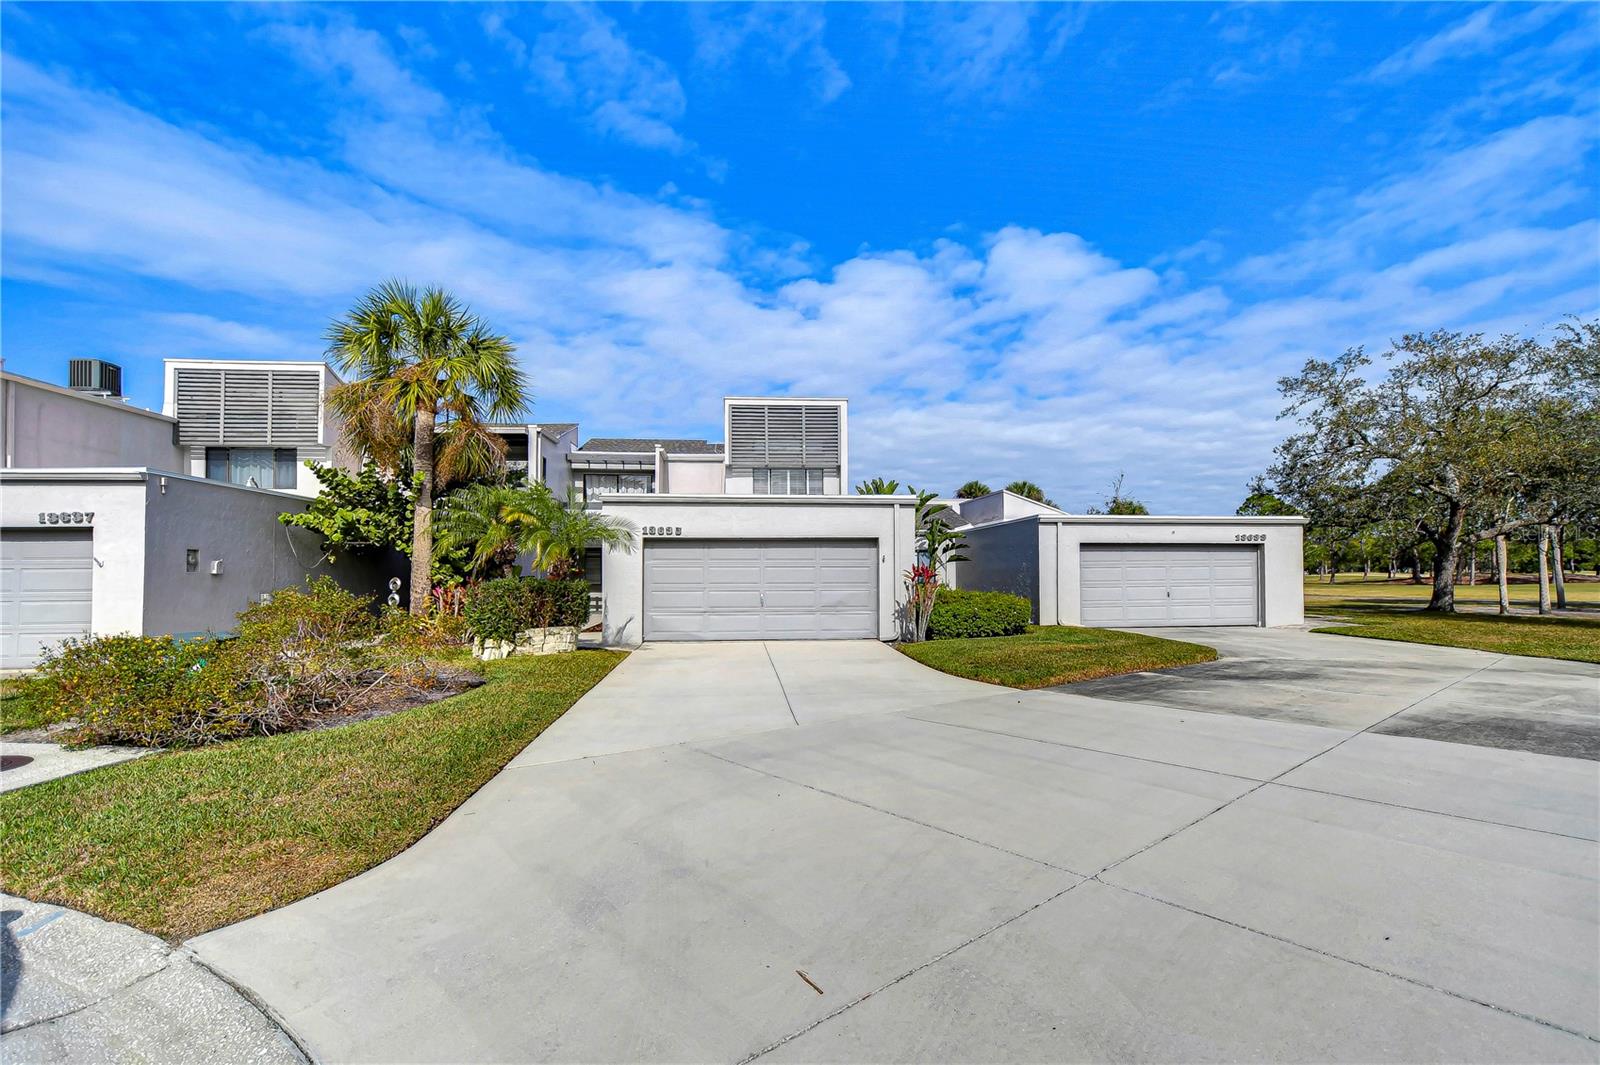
729 852
1395 689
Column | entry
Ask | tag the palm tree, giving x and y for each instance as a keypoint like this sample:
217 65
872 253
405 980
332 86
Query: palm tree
877 487
493 522
1027 490
425 374
972 490
567 527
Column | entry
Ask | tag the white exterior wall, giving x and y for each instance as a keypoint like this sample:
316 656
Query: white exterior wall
1001 506
692 475
143 523
1282 590
117 502
1044 551
550 463
886 519
45 426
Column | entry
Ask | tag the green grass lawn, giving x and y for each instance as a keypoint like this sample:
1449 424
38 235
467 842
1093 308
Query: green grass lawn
20 706
1570 638
1524 591
1055 654
180 842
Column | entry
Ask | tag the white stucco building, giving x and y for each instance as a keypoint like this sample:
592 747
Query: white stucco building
117 519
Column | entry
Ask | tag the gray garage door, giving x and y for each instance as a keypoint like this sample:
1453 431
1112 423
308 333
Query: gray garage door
760 590
1136 586
45 582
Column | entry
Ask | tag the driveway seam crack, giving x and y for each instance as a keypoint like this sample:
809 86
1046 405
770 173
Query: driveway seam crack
1350 961
779 677
166 963
936 959
891 813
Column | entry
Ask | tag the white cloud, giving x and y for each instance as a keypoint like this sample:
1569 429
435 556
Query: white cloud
1030 354
785 36
1484 30
583 60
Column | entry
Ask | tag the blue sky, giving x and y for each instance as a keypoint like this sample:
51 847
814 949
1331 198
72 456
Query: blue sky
1025 241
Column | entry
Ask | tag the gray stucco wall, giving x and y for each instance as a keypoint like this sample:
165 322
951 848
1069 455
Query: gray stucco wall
45 427
239 527
1003 558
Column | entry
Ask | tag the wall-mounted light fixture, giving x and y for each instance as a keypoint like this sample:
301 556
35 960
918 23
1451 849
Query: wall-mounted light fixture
216 567
191 559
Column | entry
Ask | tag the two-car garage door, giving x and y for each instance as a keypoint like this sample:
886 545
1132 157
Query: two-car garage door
46 581
1139 586
760 589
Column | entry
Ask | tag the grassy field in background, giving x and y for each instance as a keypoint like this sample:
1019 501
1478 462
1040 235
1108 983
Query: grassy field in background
1524 590
1571 638
184 841
1055 654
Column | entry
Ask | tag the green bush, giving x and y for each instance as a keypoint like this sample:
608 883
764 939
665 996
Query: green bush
145 690
960 614
499 609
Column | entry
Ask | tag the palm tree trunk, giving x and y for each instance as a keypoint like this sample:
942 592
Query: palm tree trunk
422 511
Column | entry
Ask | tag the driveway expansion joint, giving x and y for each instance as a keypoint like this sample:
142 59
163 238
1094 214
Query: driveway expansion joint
779 676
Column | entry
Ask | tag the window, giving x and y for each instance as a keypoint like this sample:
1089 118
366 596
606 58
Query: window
785 482
257 467
636 482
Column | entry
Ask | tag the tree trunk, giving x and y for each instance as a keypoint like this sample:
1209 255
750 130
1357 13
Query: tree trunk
1544 569
422 512
1500 572
1416 565
1366 567
1394 564
1472 570
1446 546
1561 562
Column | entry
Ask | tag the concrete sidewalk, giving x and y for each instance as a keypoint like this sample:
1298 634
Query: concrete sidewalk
74 988
1002 876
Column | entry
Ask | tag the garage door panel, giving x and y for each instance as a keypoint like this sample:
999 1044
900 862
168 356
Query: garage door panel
764 589
47 579
1149 586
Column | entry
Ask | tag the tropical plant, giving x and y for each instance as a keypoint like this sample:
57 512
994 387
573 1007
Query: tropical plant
370 511
568 526
922 588
491 524
877 487
972 490
1029 490
425 376
937 542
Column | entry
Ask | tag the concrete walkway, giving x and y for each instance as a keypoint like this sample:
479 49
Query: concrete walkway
956 874
74 988
22 764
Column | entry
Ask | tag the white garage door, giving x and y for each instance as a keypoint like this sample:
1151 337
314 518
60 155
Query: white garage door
45 584
761 590
1136 586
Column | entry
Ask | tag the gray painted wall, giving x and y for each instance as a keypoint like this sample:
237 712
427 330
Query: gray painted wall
1002 558
46 426
240 527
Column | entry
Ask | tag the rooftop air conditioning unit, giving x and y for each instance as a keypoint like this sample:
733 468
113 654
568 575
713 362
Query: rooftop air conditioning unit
94 375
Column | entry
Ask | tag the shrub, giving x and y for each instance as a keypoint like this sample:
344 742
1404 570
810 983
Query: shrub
499 609
961 614
421 633
144 690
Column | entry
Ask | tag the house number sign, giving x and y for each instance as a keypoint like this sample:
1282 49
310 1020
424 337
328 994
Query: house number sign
66 517
1250 537
663 530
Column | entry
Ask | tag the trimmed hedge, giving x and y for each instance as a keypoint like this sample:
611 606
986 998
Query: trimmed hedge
499 609
960 614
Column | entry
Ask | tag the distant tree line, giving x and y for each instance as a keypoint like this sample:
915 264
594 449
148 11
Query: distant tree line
1464 455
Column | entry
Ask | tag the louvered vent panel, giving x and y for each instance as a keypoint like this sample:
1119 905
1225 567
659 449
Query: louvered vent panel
822 436
747 435
245 408
199 406
783 435
296 404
